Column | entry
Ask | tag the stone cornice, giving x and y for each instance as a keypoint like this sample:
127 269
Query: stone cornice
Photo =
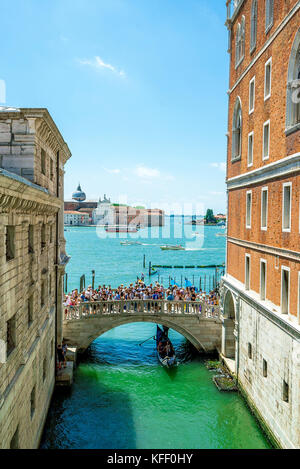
277 319
50 129
281 168
273 250
20 196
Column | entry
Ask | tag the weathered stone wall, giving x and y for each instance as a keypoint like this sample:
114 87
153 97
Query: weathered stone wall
282 354
267 355
31 275
23 367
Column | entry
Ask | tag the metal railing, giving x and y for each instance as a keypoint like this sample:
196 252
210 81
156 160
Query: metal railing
83 310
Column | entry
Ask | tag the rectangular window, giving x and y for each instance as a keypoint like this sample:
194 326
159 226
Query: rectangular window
285 391
11 335
250 350
286 207
32 402
250 149
266 140
251 95
268 78
14 442
248 209
43 162
51 169
43 293
269 14
44 369
30 239
265 369
10 243
285 290
30 310
43 236
247 272
263 277
264 208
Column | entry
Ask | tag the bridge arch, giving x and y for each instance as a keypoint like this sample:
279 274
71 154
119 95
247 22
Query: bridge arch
82 333
228 326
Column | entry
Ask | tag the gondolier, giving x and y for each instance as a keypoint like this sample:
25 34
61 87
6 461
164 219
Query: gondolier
165 350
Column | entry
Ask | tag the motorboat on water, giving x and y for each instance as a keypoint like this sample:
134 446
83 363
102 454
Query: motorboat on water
169 247
130 243
165 350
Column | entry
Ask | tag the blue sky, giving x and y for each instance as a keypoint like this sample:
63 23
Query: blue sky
137 88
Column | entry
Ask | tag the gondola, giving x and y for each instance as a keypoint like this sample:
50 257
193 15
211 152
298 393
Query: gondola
162 338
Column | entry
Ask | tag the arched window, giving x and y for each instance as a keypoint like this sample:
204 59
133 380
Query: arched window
237 131
240 42
269 14
237 44
236 4
253 25
242 37
293 86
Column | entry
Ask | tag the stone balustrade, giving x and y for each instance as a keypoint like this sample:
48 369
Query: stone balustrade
201 309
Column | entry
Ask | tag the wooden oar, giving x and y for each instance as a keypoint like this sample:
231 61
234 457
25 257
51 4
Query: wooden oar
152 337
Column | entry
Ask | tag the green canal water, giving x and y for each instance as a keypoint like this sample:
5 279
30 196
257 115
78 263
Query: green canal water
122 398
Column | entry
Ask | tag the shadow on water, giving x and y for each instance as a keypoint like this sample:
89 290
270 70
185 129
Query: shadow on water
172 372
76 418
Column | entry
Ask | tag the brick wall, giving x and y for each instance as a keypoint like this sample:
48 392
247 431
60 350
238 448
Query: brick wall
273 108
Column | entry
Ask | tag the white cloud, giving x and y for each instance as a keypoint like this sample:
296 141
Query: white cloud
98 63
147 174
112 171
220 166
217 193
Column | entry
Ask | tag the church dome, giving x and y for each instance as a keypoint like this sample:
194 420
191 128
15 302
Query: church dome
78 195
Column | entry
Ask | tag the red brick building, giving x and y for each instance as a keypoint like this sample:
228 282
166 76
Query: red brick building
261 291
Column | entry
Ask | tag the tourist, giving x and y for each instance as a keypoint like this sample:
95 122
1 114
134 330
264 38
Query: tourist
192 299
60 356
64 351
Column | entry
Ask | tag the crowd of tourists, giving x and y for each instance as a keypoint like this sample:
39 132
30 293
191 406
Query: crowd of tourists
141 291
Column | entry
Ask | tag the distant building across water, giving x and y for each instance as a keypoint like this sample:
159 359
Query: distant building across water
80 211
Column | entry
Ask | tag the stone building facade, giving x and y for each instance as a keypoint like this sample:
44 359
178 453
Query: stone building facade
32 262
76 218
261 288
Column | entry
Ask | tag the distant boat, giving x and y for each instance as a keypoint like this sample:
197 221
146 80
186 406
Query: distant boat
121 229
153 272
130 243
168 360
169 247
221 234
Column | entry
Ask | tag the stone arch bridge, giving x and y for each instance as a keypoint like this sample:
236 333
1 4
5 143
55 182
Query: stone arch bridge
197 321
